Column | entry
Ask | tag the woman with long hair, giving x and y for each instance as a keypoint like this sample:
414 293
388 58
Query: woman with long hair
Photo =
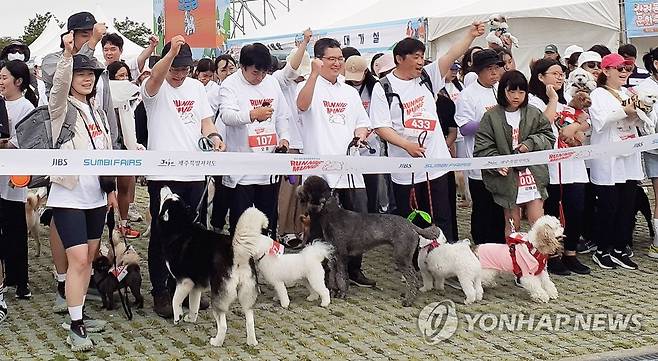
19 100
567 179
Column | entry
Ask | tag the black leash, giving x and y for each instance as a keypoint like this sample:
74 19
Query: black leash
111 223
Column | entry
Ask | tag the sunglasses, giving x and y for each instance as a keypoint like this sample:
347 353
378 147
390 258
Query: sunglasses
593 64
627 68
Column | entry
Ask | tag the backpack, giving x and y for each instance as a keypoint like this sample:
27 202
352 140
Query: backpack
390 94
34 131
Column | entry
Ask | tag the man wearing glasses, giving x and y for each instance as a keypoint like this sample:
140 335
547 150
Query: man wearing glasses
256 115
178 115
332 116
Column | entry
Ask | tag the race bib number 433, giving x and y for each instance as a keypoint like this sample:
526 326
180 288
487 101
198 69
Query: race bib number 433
413 127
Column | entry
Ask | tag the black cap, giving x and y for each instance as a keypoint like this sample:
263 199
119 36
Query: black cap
81 21
184 57
483 58
25 50
83 62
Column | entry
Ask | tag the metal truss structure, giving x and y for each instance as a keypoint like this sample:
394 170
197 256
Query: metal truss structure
258 12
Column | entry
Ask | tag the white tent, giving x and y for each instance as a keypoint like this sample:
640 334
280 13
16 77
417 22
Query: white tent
314 14
130 49
535 22
48 42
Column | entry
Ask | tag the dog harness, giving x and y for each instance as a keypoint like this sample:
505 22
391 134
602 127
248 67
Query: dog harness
517 238
431 246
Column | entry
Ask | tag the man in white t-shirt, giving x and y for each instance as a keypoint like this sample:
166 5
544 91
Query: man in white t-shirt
410 123
487 220
178 116
332 116
256 115
113 49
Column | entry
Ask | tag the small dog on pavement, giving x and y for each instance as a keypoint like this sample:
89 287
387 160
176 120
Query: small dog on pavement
525 255
34 201
108 283
285 270
438 260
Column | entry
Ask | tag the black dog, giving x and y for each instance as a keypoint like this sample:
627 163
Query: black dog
107 283
353 234
194 255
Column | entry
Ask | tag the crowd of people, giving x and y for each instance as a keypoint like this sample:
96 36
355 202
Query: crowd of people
468 102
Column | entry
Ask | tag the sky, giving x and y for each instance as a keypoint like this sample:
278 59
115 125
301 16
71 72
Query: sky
15 17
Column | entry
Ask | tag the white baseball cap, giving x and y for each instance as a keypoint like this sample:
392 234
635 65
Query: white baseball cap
570 50
305 67
588 56
383 64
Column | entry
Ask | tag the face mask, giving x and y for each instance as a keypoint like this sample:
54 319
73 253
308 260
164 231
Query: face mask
15 56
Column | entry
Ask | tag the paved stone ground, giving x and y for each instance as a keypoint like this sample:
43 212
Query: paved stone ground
370 324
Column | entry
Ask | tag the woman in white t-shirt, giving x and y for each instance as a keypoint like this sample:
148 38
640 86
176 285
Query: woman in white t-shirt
650 86
468 76
79 203
14 81
614 119
567 179
513 127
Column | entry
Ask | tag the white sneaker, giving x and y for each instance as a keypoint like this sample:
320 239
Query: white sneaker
60 306
133 214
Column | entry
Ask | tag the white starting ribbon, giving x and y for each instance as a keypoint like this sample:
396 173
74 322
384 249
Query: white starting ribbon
123 162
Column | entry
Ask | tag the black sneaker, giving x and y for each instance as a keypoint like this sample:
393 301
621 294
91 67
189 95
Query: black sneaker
557 267
622 259
574 265
603 260
23 292
586 247
361 280
629 251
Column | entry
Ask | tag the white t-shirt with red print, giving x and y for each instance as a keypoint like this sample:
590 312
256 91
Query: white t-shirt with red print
87 193
336 111
525 181
419 115
174 120
237 98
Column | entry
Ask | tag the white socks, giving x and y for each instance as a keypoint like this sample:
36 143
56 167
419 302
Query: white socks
124 222
61 277
76 313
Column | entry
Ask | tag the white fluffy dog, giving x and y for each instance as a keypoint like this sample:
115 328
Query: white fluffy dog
581 79
285 270
525 255
438 259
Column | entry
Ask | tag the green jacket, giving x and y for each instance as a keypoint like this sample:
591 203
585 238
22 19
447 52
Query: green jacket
494 137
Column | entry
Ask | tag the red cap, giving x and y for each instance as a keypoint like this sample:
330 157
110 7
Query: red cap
614 60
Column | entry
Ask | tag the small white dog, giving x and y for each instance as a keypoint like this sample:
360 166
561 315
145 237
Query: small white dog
286 270
581 79
438 259
525 255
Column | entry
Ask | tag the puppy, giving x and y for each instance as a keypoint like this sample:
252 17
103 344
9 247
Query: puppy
108 283
34 201
525 255
285 270
581 80
438 260
353 234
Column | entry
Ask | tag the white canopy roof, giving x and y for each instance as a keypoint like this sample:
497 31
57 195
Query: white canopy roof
48 42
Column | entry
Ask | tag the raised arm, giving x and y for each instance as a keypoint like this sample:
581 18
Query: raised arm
161 68
459 48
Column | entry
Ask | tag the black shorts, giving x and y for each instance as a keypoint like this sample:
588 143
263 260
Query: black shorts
78 226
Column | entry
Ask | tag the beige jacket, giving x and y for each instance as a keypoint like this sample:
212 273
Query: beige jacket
58 105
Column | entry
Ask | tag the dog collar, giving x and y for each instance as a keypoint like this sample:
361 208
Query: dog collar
431 246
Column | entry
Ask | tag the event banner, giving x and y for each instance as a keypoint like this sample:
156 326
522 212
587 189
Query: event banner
641 18
204 23
368 39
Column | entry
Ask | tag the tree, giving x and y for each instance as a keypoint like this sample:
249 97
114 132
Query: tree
4 41
138 33
35 27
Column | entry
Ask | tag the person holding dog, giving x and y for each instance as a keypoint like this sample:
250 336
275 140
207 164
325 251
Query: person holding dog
567 179
79 203
333 116
410 124
513 127
174 128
